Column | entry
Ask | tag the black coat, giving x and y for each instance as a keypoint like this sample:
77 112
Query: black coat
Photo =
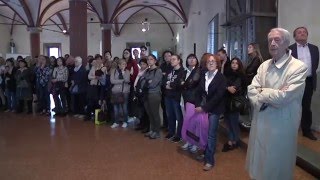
213 101
314 52
252 69
190 85
238 80
175 79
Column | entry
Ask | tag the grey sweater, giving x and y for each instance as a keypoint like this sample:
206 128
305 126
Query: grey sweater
153 79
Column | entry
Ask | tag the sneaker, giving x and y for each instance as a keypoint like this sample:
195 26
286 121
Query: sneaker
148 134
154 135
169 136
207 167
124 125
200 157
185 146
194 149
114 125
76 115
176 140
131 119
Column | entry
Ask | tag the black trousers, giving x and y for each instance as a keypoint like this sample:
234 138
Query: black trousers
306 119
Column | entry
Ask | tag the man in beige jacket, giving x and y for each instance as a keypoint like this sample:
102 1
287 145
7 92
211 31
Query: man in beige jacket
276 94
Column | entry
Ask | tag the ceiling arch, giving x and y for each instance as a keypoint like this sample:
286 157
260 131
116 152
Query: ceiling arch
146 7
35 13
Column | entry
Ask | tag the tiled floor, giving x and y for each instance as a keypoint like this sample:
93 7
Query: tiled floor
35 147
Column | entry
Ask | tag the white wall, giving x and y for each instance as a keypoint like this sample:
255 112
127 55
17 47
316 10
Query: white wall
21 37
5 39
295 13
197 29
159 35
47 36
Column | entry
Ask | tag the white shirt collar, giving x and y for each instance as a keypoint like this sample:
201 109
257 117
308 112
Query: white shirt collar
282 60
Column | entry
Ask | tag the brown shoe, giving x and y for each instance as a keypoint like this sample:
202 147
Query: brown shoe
207 167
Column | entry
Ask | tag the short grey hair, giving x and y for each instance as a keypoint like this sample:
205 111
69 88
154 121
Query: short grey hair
285 34
78 59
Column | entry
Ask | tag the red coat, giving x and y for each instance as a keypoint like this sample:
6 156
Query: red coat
133 64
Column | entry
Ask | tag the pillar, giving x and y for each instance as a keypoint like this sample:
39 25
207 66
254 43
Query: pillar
78 28
106 37
34 40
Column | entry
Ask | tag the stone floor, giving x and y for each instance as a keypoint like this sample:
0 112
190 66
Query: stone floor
37 147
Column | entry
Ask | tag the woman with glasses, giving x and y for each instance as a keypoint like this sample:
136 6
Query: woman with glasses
211 89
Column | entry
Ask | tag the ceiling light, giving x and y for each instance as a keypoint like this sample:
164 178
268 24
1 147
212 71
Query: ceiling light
64 31
145 25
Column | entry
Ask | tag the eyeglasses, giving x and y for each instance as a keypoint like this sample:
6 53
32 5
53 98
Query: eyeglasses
211 62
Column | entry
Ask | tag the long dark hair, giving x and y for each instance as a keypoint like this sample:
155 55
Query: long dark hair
189 56
63 61
130 57
240 65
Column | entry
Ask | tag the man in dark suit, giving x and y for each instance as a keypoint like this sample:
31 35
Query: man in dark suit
309 54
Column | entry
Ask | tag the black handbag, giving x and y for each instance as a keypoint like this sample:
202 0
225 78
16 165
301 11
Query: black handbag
239 103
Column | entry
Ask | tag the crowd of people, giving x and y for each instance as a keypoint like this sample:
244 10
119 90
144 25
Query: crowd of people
135 86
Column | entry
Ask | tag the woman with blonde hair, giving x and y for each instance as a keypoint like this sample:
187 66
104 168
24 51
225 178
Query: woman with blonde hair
120 79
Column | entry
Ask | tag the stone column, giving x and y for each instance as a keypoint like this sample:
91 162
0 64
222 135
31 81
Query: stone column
106 37
78 28
34 40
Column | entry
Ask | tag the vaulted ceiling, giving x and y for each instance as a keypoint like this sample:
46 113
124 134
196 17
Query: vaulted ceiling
42 13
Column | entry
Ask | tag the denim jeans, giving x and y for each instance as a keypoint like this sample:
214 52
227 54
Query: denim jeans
121 110
212 138
232 121
174 113
11 99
